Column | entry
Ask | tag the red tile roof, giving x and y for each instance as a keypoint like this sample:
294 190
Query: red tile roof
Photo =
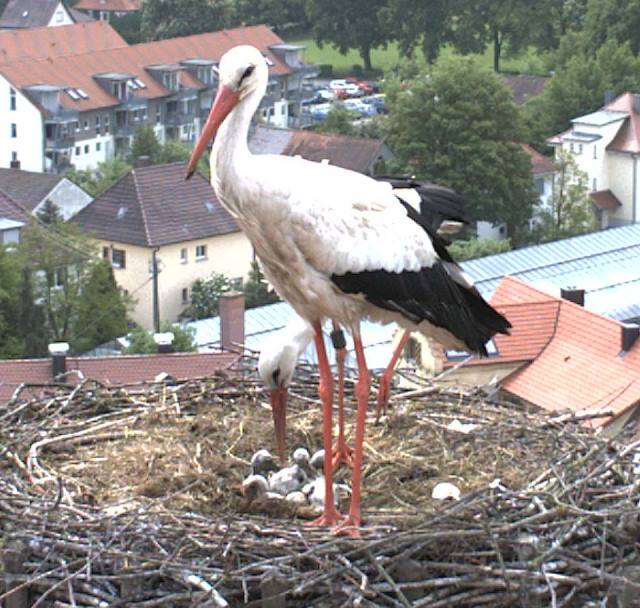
44 42
154 206
119 6
582 368
122 370
605 199
533 316
78 70
11 210
539 162
628 137
355 153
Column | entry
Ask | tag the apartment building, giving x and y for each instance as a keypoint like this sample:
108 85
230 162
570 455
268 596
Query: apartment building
81 109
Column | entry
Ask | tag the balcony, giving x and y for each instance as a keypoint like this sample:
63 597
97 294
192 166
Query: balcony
63 142
174 119
124 129
61 115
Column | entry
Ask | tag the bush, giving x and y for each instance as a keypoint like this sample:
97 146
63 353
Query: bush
326 70
357 70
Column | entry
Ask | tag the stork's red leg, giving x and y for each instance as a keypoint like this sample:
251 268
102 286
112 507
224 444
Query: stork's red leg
351 524
384 385
342 452
330 515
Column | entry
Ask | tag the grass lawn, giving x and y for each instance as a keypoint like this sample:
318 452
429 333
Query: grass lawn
386 59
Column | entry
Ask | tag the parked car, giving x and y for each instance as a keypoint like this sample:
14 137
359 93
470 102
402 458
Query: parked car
343 89
321 111
319 96
378 102
359 106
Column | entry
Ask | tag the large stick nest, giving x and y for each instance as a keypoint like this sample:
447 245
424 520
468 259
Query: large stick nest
114 496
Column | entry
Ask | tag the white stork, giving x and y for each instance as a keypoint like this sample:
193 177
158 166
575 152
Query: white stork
444 210
335 244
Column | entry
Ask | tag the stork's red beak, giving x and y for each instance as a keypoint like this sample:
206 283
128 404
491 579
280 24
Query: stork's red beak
225 101
279 411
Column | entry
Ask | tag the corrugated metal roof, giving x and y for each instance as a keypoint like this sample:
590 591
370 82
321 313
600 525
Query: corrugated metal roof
606 264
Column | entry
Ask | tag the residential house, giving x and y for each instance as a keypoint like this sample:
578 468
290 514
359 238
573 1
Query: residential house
103 10
32 190
81 109
542 169
354 153
606 146
161 233
47 42
13 217
25 14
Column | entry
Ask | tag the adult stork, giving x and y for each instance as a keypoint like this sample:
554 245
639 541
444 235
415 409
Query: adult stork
444 211
335 244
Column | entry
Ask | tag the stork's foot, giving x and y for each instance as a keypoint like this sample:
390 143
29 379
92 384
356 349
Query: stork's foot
342 454
330 517
384 392
350 526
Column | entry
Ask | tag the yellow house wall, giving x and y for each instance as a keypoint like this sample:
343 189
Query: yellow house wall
230 254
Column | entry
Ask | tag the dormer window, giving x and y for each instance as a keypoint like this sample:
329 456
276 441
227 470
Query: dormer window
119 90
170 80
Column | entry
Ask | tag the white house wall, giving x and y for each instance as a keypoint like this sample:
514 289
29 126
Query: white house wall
60 17
28 145
68 198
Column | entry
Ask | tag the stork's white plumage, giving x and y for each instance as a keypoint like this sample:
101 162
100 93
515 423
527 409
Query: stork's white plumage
335 244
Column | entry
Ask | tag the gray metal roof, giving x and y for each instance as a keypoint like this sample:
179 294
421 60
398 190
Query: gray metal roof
581 136
600 118
606 264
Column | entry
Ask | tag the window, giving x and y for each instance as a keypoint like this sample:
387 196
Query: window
14 157
59 277
185 295
119 90
59 16
85 124
594 184
237 283
98 146
539 182
201 252
183 256
77 150
571 147
118 258
12 99
14 130
579 148
97 123
595 151
86 148
158 114
105 253
76 125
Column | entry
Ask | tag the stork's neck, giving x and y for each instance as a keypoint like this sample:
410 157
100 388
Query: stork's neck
230 151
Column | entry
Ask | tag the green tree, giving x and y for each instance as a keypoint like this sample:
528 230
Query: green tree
11 344
458 126
613 19
281 15
145 143
349 25
96 181
339 120
477 248
425 25
102 309
171 18
31 318
578 87
256 290
141 341
205 294
570 209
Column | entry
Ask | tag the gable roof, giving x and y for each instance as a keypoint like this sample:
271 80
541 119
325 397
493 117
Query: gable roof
45 42
11 210
79 71
606 264
116 6
582 368
533 315
120 370
627 138
28 13
355 153
28 188
154 206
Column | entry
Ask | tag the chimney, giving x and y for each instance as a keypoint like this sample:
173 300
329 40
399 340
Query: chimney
14 164
58 352
630 333
231 306
573 295
142 161
164 342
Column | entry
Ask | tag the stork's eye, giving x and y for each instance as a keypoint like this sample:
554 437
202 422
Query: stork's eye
248 72
276 375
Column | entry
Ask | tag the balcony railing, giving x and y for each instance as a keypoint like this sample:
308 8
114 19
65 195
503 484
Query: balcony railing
59 143
61 116
179 118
